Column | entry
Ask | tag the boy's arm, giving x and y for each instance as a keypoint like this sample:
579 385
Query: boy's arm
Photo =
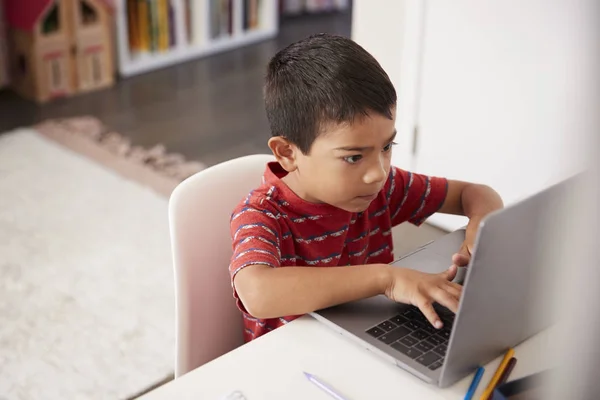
475 202
414 197
268 292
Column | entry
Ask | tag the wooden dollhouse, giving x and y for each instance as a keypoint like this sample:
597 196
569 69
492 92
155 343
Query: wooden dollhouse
60 47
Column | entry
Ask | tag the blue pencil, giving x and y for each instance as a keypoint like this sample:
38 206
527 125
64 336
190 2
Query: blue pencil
474 383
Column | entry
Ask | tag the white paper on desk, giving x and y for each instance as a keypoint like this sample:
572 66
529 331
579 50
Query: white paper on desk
235 395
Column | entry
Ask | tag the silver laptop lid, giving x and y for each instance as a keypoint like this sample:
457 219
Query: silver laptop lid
501 304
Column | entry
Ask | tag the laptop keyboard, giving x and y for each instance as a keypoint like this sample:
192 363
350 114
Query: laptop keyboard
411 334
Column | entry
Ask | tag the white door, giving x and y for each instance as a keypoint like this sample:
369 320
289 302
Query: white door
506 91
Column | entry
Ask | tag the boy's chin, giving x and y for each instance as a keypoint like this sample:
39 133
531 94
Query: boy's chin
355 208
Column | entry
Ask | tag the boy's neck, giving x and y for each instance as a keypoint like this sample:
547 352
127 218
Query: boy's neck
293 183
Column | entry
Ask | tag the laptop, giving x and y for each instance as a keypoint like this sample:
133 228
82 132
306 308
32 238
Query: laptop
500 305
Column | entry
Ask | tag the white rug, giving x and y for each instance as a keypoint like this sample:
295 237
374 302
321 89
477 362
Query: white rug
86 287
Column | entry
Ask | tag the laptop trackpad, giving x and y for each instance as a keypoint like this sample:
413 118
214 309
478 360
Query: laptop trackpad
437 256
426 260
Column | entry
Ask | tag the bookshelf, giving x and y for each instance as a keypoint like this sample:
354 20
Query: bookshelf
181 30
290 8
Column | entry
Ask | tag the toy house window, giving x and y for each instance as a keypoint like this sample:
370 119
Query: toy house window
96 68
55 74
51 22
89 16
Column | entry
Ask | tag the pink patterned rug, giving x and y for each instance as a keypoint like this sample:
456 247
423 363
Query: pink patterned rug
153 167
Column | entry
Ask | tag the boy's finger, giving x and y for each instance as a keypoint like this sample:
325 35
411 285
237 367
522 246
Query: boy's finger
450 273
452 288
460 259
455 285
446 299
428 311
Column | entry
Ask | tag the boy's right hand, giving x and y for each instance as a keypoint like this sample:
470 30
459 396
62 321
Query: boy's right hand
422 289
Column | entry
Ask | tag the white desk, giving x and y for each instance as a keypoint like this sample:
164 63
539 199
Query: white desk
271 367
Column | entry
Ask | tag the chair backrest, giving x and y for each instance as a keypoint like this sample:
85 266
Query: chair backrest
208 323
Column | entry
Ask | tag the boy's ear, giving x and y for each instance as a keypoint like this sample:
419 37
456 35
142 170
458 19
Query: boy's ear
285 152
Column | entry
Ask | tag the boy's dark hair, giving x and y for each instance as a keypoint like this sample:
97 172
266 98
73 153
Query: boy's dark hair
323 79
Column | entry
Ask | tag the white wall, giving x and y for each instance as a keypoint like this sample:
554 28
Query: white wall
380 26
506 87
506 92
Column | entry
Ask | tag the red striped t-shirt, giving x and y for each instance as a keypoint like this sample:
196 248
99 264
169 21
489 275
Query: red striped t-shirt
275 227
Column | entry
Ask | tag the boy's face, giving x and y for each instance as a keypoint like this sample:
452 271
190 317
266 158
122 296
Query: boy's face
347 164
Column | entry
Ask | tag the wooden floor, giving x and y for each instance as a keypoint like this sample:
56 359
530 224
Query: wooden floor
209 109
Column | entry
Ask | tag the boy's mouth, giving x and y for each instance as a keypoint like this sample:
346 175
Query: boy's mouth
368 197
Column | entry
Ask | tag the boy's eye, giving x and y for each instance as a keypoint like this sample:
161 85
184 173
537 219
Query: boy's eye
353 159
388 146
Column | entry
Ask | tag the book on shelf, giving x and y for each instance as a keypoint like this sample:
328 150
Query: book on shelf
171 16
150 25
162 27
153 15
296 7
132 26
141 12
189 20
194 20
227 16
251 14
222 17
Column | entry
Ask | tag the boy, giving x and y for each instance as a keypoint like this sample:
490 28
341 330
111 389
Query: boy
317 232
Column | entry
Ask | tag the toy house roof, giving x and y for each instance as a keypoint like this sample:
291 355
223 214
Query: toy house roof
24 17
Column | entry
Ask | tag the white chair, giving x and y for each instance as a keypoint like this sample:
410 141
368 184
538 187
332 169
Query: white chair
208 323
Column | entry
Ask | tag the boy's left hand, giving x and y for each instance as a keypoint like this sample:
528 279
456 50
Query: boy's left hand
474 201
463 256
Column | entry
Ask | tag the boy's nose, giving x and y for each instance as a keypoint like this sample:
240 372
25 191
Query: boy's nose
375 174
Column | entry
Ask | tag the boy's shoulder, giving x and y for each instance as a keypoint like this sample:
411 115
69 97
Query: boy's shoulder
263 197
271 195
262 204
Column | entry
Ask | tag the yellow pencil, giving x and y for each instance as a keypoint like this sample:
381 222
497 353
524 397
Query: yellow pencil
503 364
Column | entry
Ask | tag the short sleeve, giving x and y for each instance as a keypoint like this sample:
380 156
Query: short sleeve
414 197
255 235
